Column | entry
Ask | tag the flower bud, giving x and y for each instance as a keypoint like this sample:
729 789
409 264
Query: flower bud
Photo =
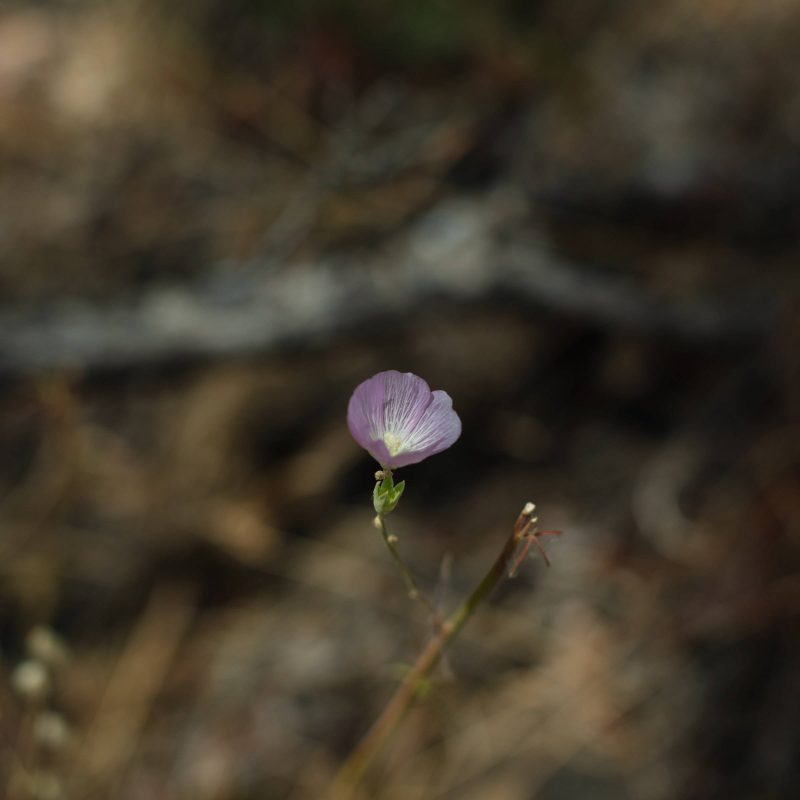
44 645
31 681
51 730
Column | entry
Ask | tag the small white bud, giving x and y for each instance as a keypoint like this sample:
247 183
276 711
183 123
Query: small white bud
528 509
31 681
44 645
51 730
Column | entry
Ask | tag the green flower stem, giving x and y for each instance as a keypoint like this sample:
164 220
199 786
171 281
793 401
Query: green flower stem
414 592
353 769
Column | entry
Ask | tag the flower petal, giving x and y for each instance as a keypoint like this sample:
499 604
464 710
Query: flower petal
390 401
396 418
365 411
438 429
380 452
407 398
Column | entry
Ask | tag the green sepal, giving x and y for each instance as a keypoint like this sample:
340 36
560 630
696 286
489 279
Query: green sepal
386 496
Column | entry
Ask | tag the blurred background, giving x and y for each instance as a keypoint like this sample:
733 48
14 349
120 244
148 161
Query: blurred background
580 219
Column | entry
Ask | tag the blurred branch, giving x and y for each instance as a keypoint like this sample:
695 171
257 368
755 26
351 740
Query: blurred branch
128 698
452 256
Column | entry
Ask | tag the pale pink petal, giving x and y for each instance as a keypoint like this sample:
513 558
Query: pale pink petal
399 421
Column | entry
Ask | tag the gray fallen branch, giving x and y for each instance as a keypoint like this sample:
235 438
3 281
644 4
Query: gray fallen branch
453 256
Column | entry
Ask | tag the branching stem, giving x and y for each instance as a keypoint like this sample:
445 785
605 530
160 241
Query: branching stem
353 769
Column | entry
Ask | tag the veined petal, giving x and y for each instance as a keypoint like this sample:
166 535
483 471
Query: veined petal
365 411
437 430
378 450
407 398
389 402
399 421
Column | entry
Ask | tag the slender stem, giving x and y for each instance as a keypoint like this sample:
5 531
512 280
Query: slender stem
414 592
353 769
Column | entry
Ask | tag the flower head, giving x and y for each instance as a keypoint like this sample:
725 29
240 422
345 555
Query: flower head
398 420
